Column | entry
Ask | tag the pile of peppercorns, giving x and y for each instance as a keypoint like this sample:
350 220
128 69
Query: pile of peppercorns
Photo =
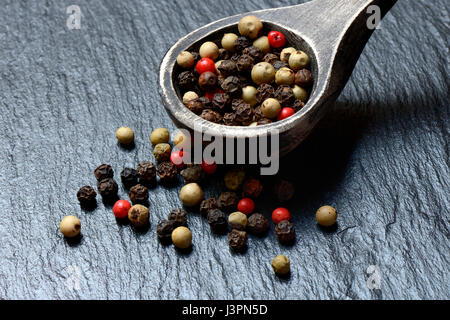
251 80
232 211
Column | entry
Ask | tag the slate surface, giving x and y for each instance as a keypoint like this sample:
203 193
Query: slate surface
380 157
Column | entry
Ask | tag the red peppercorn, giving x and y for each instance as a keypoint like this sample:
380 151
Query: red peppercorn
204 65
208 167
121 208
276 39
176 157
210 94
246 206
285 113
280 214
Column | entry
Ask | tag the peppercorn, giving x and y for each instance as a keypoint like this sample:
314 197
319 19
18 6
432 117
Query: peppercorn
281 265
250 26
298 60
138 194
231 85
209 50
298 104
241 43
258 115
228 41
86 196
257 224
285 232
196 105
234 179
284 76
285 95
187 80
192 174
263 72
237 220
160 135
244 82
204 65
103 171
129 177
196 56
217 221
286 53
108 188
237 240
246 206
271 108
228 201
235 57
147 172
179 217
164 230
283 190
245 63
191 194
326 216
207 81
138 215
270 58
162 152
185 59
182 237
264 92
208 205
221 102
70 226
300 93
125 135
167 172
277 65
212 116
254 52
251 188
227 68
224 54
121 208
263 44
303 78
249 95
209 166
229 119
244 112
188 96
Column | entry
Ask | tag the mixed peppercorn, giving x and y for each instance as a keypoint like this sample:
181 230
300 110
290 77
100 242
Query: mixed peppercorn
245 80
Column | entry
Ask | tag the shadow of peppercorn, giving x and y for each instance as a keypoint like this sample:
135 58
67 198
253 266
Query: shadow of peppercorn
89 207
331 229
284 277
141 230
109 202
123 222
75 241
184 252
129 147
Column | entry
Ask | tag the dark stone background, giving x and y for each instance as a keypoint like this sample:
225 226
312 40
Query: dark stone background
381 157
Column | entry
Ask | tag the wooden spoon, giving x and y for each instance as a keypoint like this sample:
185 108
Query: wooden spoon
332 32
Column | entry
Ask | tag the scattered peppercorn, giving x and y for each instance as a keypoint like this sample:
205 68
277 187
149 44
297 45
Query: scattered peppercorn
281 265
162 152
70 226
246 206
257 224
182 237
147 172
108 188
326 216
129 177
251 188
228 201
164 230
192 174
285 232
139 215
103 171
191 194
125 135
167 172
179 217
237 220
86 196
208 205
139 194
209 167
234 179
237 240
121 208
217 221
160 135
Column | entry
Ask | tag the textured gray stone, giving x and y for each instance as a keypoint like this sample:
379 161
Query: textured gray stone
381 157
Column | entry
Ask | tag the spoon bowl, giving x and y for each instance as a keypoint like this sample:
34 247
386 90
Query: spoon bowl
333 34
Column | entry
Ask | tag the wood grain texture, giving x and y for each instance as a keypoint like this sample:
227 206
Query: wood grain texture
380 156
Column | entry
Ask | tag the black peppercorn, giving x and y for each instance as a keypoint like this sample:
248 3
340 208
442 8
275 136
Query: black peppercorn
229 119
220 80
210 115
86 196
147 172
208 205
217 221
279 64
231 85
244 113
241 43
254 52
237 240
285 96
235 57
303 78
223 54
187 80
221 102
192 174
138 194
270 58
258 115
164 230
251 188
264 91
283 190
285 232
227 68
257 224
103 171
196 57
228 201
167 172
108 188
207 81
245 63
129 177
179 217
196 106
297 105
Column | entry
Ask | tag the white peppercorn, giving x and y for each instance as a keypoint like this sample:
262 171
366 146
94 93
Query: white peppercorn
182 237
249 95
189 96
237 220
185 59
263 72
191 194
125 135
285 76
286 53
160 135
263 44
270 108
300 93
250 27
281 265
326 216
209 50
228 41
70 226
298 60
